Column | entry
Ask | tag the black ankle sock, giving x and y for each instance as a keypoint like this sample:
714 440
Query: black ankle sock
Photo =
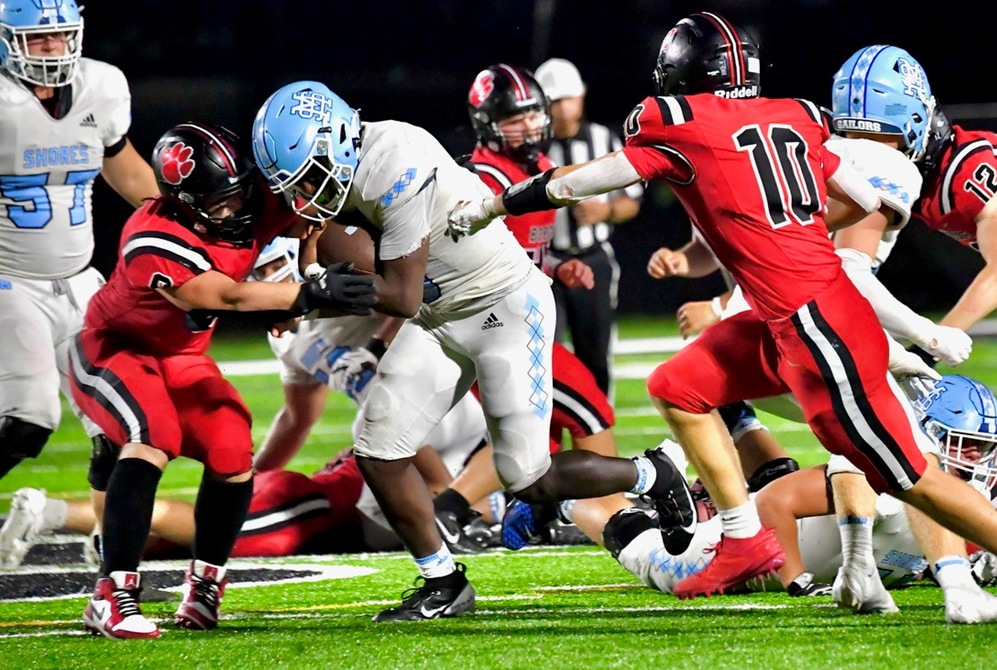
455 578
131 494
451 501
667 476
219 513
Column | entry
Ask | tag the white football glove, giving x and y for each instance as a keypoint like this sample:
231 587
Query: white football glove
352 373
468 217
951 345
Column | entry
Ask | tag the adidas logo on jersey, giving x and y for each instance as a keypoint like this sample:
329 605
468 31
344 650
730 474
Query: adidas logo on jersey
492 322
88 122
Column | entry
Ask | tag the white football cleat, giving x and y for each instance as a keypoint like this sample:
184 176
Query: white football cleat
113 610
24 524
862 591
969 604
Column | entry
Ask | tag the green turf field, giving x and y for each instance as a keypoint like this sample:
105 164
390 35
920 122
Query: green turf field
542 608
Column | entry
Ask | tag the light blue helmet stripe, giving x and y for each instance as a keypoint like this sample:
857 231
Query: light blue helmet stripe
857 80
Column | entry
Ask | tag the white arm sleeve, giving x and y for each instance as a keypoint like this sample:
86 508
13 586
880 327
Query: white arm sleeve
857 187
600 176
897 319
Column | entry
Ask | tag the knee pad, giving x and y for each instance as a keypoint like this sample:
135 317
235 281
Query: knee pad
771 471
20 439
103 456
623 527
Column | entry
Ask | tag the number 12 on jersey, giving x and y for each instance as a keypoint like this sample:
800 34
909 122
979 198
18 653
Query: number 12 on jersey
785 180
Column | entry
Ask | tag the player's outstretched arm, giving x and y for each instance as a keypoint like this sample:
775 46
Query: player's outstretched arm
129 175
552 189
335 290
980 298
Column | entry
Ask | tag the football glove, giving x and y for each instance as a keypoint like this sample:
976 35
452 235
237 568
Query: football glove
804 586
984 567
468 217
338 290
352 372
951 345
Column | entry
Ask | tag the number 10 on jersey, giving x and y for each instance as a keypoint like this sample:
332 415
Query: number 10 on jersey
785 180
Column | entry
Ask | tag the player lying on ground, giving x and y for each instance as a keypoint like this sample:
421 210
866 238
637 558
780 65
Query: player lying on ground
799 506
140 372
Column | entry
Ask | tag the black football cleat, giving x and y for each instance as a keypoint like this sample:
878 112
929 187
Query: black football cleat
673 502
448 596
457 536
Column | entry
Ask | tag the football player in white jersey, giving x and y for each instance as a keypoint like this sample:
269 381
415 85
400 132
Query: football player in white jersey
64 120
398 183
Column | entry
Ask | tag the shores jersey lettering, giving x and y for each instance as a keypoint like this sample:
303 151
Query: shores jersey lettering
74 154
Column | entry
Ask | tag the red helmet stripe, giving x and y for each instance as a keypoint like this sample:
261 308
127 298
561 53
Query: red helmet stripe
519 84
729 33
224 148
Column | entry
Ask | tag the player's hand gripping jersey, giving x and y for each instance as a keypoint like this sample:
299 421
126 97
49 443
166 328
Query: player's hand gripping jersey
404 187
47 168
965 181
158 252
533 231
761 208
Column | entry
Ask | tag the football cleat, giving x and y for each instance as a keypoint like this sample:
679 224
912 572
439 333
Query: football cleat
673 502
862 591
735 561
969 604
24 524
458 538
202 593
804 586
113 610
434 600
519 526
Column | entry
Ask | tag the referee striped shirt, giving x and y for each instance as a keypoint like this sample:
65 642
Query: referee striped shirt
593 140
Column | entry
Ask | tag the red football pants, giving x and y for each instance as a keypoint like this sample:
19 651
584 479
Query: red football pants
180 405
832 355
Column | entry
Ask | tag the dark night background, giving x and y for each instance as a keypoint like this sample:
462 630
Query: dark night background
218 60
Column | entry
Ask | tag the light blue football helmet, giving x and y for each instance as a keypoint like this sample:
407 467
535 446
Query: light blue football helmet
281 249
22 20
961 415
883 89
306 141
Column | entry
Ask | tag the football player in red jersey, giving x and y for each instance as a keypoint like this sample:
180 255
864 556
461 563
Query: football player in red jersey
510 114
959 198
140 372
753 174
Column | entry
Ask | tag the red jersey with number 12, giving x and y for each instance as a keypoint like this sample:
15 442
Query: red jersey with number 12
966 180
751 175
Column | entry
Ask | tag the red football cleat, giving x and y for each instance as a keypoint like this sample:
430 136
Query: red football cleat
735 562
113 610
202 596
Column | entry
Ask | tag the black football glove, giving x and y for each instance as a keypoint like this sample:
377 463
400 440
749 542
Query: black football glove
338 290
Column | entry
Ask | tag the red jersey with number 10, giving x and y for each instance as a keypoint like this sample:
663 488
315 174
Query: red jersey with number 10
966 180
751 175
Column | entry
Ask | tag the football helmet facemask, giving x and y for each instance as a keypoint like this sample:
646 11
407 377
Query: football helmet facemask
502 92
25 20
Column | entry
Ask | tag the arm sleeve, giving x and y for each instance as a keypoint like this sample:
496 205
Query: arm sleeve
853 183
635 190
600 176
897 319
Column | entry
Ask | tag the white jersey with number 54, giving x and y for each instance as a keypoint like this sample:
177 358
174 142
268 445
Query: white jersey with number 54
47 168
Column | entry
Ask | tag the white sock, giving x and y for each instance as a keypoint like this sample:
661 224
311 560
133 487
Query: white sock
740 522
54 515
435 565
856 542
496 502
953 571
646 474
